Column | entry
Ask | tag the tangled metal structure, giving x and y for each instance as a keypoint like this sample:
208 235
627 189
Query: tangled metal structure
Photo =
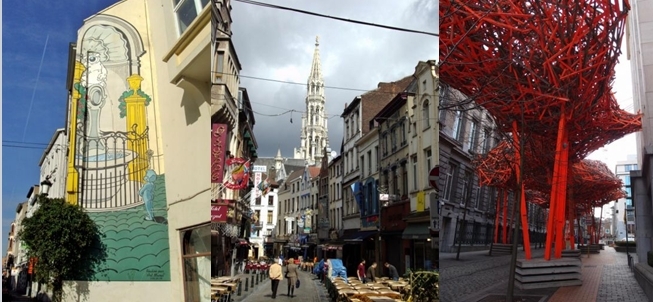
544 70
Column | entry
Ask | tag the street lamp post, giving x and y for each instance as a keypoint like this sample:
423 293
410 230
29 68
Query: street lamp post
45 186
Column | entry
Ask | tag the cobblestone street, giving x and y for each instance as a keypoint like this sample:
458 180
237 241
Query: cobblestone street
310 290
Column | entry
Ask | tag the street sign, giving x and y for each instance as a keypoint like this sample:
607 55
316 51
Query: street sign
433 177
630 216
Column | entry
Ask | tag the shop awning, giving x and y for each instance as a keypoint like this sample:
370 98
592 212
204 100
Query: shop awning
418 231
358 236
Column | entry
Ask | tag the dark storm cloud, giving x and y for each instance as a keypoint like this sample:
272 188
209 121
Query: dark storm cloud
270 41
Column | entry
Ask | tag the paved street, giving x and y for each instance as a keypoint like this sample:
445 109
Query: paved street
606 278
310 290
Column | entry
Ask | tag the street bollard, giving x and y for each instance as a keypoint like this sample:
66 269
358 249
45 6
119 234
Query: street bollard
246 285
256 280
252 281
240 287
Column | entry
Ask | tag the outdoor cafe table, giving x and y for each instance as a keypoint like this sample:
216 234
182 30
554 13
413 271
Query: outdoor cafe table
347 292
380 299
229 286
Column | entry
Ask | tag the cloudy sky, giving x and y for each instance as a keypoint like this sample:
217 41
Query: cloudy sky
279 45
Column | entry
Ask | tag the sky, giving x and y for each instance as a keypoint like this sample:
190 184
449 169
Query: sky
279 45
34 95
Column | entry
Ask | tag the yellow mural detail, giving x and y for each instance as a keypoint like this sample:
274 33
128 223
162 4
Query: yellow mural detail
72 181
136 124
420 201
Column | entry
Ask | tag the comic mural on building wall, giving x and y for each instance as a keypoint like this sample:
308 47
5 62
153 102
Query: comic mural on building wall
116 161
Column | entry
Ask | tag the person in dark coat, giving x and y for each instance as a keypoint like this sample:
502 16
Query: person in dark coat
392 271
371 273
291 274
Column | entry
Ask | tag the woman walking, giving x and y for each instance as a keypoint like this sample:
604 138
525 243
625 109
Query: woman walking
291 275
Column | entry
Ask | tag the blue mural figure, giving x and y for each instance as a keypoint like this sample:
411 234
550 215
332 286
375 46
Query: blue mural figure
147 193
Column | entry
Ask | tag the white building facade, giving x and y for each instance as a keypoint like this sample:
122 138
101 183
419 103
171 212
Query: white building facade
264 201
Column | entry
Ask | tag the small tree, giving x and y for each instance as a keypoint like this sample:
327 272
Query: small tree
65 242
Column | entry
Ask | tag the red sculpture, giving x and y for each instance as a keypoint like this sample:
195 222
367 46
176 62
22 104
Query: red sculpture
544 70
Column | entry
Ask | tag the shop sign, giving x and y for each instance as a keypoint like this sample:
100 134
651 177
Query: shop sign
257 181
218 149
219 212
259 169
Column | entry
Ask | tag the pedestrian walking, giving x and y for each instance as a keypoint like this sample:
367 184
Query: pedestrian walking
361 271
392 271
275 277
371 273
291 275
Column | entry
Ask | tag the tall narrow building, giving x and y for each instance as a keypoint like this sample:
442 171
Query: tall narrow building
314 136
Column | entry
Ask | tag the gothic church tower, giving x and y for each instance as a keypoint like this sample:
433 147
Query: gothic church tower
314 135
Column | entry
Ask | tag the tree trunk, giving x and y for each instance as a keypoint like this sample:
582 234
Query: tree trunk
57 290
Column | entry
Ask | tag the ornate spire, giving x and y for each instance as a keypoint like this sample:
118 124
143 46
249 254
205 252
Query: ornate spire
316 68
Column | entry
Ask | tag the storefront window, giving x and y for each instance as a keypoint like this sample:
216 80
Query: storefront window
196 257
423 256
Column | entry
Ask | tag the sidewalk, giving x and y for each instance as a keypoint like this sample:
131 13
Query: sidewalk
310 290
606 278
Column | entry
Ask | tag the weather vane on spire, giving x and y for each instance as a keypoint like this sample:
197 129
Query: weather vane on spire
317 41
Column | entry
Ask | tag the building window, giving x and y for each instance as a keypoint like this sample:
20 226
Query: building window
487 140
187 11
477 200
393 138
404 179
466 183
425 114
473 136
363 165
271 200
414 160
270 217
196 256
369 162
448 181
384 145
258 201
403 133
395 182
427 155
220 63
457 125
